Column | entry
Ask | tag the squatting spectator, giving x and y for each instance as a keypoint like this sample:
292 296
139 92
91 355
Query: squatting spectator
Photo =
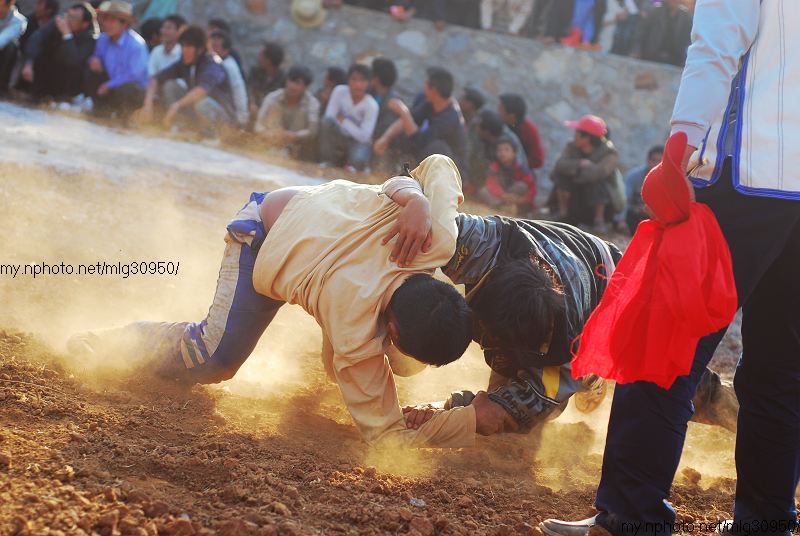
384 76
490 129
151 32
584 175
334 76
508 182
12 26
267 76
433 126
471 102
635 209
116 77
350 118
195 90
44 11
220 43
665 34
221 25
55 55
169 51
512 109
289 118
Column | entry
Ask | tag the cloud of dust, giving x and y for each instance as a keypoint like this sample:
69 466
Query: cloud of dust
57 216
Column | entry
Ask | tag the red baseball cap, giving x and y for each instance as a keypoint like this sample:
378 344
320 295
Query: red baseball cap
591 124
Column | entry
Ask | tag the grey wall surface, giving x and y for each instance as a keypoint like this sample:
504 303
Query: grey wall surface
558 83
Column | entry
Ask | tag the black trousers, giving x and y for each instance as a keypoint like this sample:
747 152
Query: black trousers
8 59
122 100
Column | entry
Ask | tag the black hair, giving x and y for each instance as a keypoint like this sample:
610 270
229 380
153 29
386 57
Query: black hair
227 42
385 71
491 122
337 75
475 96
220 24
194 36
300 72
150 28
360 69
505 140
273 52
441 80
433 320
177 20
88 13
515 105
594 140
520 303
655 149
52 6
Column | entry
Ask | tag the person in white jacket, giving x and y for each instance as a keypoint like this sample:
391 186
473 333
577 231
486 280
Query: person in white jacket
221 44
737 106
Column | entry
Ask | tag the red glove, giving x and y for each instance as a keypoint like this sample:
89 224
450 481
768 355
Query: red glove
666 189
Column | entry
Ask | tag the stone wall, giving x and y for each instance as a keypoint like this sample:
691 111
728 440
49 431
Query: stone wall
558 83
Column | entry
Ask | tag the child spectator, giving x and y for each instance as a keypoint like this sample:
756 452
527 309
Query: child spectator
220 43
169 51
346 130
117 75
267 76
508 182
289 117
221 25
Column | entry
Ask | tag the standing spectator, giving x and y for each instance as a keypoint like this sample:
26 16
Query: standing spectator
12 26
626 28
116 77
512 109
384 75
151 32
635 210
289 117
519 11
665 34
584 174
221 44
508 182
539 18
346 131
334 76
575 22
55 55
267 76
169 51
221 25
471 103
433 126
195 90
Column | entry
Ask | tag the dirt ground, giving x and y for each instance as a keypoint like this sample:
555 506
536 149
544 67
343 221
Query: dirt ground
273 451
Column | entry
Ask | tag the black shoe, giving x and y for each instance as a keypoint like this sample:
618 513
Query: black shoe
555 527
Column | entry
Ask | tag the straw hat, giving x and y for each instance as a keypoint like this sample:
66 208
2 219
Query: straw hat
116 8
308 13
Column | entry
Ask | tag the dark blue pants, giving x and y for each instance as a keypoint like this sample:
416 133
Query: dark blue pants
647 427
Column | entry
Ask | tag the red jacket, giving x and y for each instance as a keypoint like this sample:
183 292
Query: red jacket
529 136
500 178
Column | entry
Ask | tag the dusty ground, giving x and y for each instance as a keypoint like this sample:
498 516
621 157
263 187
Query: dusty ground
271 452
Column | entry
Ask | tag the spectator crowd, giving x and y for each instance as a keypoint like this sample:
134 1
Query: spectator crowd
185 77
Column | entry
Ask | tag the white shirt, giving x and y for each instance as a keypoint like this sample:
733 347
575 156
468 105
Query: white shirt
760 40
238 89
359 119
160 59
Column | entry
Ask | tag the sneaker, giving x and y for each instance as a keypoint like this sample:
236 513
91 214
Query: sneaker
593 393
556 527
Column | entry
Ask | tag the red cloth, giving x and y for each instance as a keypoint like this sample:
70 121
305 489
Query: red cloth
673 286
531 141
496 183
